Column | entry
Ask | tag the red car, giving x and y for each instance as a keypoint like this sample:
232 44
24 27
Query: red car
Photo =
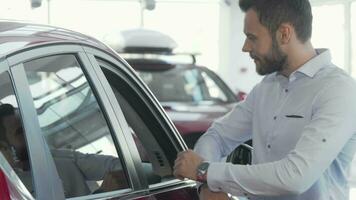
193 96
77 122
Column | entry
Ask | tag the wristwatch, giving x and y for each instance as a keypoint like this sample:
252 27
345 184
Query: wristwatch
202 172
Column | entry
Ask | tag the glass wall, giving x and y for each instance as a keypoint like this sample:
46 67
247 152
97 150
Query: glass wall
353 33
95 18
21 10
193 25
329 31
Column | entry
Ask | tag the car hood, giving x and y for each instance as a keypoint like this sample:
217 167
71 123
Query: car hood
190 118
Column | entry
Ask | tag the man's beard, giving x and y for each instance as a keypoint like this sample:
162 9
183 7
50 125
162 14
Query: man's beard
275 61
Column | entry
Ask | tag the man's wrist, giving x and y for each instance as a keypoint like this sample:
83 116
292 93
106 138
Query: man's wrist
202 172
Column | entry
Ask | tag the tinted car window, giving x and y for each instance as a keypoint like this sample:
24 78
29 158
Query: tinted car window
215 92
74 127
184 84
156 151
12 137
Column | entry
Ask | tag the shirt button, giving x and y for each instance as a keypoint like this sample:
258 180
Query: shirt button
269 146
275 117
286 90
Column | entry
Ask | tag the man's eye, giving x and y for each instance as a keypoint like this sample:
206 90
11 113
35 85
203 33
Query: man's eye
251 38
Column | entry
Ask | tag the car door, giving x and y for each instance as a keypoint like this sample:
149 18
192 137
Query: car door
153 140
71 129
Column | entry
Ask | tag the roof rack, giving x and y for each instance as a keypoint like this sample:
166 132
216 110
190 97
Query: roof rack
169 57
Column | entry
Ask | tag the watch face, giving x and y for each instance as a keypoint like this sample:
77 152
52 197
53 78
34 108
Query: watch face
204 166
202 172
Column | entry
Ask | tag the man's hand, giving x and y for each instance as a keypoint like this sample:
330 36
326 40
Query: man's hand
206 194
186 165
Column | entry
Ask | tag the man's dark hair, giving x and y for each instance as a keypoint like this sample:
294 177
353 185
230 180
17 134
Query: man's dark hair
272 13
5 110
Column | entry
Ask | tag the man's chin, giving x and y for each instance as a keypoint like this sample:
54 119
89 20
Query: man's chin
262 71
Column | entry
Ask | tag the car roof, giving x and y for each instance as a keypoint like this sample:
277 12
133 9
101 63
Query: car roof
17 36
158 65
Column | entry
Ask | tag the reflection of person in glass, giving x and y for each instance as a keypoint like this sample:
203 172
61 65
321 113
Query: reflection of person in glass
74 168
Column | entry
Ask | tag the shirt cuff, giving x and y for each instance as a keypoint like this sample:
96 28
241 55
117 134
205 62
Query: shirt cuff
219 179
216 173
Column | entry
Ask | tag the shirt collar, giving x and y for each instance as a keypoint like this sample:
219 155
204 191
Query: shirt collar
313 66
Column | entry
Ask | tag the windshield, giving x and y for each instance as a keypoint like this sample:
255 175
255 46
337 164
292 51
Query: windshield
191 85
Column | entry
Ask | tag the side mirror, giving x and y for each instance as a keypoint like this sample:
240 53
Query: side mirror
242 155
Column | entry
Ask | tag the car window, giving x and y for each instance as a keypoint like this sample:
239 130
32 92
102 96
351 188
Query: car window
215 92
155 148
184 84
13 144
74 127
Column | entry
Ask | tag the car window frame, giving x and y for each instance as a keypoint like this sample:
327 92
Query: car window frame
231 97
139 84
155 107
42 164
46 168
14 180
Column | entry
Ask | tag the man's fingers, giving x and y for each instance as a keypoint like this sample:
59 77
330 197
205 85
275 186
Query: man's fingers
181 153
177 170
183 156
177 175
176 165
186 164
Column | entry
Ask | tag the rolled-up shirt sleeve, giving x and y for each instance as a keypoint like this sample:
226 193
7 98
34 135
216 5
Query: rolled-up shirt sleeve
227 132
332 125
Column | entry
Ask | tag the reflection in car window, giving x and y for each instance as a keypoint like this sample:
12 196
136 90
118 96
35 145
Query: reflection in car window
214 90
12 137
183 85
156 151
74 127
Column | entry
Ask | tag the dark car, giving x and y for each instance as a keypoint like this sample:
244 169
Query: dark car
193 96
88 126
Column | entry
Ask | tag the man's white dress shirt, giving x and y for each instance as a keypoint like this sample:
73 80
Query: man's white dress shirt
303 129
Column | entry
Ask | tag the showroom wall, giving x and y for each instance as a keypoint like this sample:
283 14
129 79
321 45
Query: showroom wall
334 27
211 27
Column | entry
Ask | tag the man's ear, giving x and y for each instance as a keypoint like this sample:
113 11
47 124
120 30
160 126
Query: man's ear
284 33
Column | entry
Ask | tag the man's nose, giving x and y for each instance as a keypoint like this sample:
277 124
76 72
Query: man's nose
246 47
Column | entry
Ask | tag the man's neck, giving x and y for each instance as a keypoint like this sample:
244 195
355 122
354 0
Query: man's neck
297 57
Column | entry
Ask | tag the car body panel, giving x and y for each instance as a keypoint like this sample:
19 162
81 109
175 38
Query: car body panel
20 42
17 36
190 118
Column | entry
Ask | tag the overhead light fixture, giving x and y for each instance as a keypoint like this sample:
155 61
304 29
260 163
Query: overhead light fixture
228 2
36 3
148 4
